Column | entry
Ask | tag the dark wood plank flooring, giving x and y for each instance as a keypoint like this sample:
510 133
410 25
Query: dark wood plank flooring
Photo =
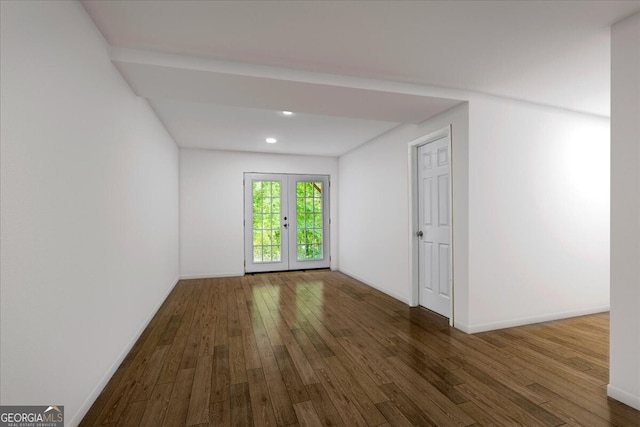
322 349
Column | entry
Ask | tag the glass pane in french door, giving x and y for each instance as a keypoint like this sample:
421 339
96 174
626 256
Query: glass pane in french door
267 240
309 220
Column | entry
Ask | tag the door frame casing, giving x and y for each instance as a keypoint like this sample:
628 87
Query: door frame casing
414 261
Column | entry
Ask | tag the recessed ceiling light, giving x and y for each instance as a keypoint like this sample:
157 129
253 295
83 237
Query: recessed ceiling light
271 140
287 113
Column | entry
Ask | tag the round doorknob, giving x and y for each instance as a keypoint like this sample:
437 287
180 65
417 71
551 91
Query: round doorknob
420 233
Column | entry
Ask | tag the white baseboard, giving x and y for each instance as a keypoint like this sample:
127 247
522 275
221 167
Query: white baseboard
623 396
211 275
84 408
375 286
461 326
492 326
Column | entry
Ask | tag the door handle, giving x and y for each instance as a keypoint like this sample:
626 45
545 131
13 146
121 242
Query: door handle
285 225
419 233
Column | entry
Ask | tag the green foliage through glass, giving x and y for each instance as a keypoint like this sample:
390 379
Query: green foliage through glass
266 221
309 220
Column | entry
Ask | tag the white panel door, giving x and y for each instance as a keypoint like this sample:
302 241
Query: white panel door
286 222
434 217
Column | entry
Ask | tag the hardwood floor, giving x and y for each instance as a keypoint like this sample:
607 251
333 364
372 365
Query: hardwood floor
320 348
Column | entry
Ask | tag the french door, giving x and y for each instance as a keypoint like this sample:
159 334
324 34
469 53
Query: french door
286 222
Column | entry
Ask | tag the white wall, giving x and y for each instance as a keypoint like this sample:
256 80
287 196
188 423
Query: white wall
624 383
531 218
89 209
373 213
538 214
212 205
374 208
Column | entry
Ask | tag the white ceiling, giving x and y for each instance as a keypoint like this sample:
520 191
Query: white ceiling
245 129
218 72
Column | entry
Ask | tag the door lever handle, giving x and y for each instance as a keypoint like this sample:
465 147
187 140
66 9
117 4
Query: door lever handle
419 233
285 225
